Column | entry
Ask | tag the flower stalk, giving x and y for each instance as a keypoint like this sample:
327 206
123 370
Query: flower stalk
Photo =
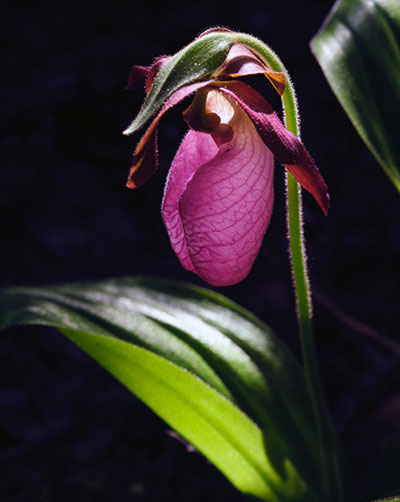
219 191
328 446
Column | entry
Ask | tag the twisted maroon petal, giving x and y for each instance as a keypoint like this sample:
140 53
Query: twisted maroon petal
285 146
144 162
147 74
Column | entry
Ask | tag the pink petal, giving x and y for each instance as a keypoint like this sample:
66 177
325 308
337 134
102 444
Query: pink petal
285 146
218 202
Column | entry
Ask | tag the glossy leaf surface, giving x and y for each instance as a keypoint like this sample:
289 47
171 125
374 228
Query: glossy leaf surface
390 499
358 48
212 371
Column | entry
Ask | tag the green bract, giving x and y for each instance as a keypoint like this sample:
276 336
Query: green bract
212 371
194 62
358 49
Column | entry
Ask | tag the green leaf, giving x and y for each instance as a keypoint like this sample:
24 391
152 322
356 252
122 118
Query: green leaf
194 62
390 499
358 48
211 370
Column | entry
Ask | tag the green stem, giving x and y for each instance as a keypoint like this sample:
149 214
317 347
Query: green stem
331 479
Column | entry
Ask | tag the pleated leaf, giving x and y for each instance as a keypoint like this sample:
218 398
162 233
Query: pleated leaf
358 49
211 370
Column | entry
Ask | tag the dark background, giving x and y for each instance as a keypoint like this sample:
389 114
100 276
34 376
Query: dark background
68 431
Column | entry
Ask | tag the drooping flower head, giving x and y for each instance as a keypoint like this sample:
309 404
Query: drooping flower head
219 193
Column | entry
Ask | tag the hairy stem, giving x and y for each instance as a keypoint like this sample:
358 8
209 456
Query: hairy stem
328 450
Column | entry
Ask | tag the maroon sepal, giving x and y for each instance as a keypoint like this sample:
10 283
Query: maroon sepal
284 145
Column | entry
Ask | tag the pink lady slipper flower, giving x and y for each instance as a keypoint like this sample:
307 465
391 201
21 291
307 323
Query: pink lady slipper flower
219 193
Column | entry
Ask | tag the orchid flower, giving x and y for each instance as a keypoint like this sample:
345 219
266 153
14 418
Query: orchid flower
219 193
